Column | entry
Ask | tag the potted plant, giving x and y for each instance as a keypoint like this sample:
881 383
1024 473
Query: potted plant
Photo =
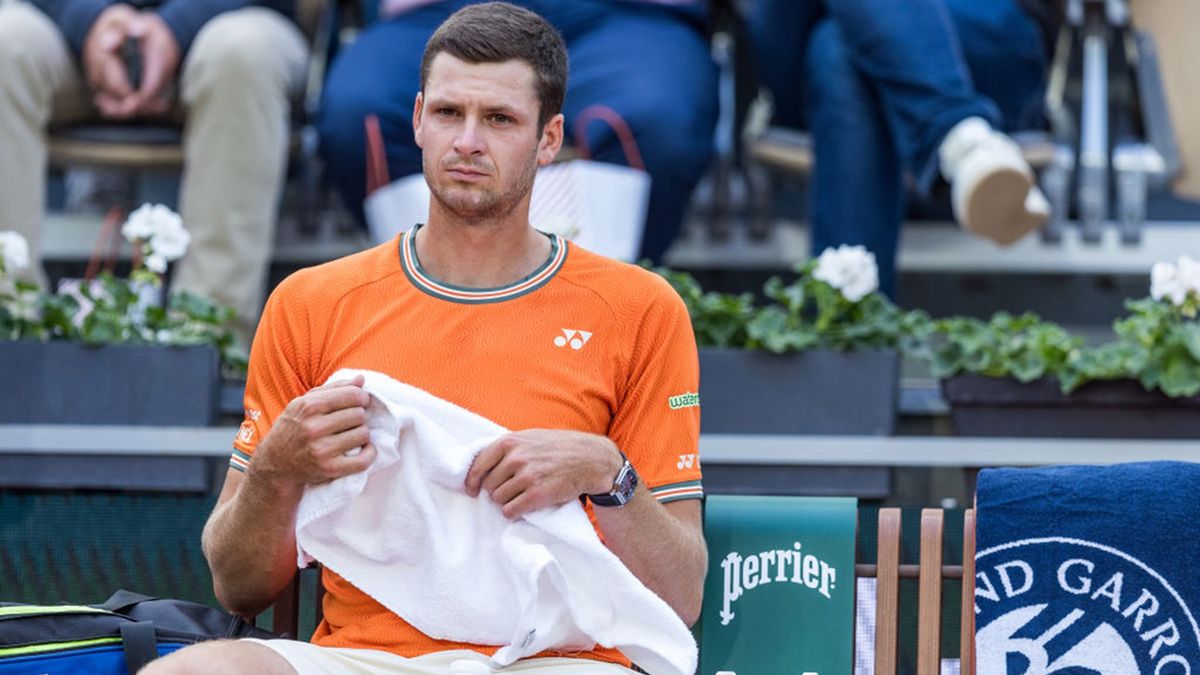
819 358
108 350
1022 376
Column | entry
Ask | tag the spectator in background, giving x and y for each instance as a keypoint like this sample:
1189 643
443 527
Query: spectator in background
894 89
232 66
648 60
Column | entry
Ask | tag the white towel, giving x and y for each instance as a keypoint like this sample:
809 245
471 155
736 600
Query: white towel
406 533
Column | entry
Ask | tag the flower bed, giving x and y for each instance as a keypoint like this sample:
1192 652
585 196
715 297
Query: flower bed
107 349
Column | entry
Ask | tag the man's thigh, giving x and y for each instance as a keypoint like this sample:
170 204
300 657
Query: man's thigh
222 656
302 658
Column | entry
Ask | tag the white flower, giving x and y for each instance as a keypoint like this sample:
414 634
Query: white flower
14 252
850 269
1174 282
161 230
1189 273
171 240
143 222
156 263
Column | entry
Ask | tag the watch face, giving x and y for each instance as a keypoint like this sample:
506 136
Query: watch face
624 486
626 483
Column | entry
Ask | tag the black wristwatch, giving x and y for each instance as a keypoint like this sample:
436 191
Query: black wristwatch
623 488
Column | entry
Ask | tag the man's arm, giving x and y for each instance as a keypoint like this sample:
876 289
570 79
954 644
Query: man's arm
250 539
662 544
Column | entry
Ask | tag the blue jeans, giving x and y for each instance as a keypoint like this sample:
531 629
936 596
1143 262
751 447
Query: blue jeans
651 64
880 83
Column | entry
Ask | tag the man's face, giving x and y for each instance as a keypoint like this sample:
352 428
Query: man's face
477 127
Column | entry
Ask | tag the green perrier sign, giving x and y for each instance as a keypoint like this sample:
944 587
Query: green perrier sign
779 598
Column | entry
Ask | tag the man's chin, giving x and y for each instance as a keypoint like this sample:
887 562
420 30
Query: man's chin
466 207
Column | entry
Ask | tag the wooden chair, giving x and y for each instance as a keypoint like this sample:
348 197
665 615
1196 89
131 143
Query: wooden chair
887 571
930 573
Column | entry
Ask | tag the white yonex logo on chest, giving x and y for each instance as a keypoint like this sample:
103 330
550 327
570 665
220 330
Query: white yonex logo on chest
575 338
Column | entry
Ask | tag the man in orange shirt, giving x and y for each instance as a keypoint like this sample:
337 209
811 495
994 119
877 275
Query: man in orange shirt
590 361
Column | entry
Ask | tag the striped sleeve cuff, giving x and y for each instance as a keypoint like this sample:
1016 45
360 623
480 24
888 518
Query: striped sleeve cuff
239 460
674 492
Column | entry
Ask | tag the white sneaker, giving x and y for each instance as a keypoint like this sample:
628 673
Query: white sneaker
993 189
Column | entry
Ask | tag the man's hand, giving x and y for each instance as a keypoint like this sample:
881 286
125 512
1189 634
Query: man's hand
533 469
102 63
160 62
309 442
114 96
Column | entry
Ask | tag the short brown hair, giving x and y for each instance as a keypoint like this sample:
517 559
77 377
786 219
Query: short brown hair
494 32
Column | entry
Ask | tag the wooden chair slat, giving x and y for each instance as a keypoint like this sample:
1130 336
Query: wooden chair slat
887 592
929 607
967 632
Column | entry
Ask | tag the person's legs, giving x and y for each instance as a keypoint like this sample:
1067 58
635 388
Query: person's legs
291 657
938 119
655 70
779 31
911 52
239 76
1004 52
857 193
378 74
38 80
221 656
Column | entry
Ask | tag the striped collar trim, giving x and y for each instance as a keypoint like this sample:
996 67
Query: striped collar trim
538 278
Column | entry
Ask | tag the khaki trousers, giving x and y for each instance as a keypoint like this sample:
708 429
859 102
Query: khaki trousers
235 86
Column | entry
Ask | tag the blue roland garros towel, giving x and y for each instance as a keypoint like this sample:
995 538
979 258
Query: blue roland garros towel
1088 570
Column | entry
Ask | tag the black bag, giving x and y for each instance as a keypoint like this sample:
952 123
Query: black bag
118 636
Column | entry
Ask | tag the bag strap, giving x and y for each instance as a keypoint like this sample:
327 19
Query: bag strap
602 112
123 600
140 644
377 168
110 238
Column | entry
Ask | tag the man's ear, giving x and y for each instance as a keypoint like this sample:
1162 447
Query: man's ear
418 108
551 141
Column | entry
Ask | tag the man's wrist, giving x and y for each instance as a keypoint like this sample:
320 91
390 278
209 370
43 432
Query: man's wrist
621 487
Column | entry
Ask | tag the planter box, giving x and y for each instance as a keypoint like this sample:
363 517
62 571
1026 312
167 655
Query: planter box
815 393
992 406
68 383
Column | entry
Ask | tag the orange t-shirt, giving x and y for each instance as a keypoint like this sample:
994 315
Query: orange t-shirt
584 343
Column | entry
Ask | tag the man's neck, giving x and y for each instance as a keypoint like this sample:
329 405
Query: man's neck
480 254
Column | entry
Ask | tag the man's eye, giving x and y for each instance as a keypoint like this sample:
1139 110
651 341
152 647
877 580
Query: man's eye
498 118
447 112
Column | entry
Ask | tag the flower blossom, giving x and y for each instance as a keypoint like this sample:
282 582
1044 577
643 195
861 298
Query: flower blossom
849 269
1174 282
160 232
171 240
155 263
14 252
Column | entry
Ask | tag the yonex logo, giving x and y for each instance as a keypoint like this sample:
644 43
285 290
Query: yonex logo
1057 605
246 432
686 462
576 338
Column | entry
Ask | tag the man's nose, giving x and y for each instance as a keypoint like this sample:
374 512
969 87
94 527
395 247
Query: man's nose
469 140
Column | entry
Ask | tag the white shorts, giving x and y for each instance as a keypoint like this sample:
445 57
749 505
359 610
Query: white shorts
310 659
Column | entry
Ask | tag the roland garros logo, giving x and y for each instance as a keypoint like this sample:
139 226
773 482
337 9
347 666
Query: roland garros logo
1064 606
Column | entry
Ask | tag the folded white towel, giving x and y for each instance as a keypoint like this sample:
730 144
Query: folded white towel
406 533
